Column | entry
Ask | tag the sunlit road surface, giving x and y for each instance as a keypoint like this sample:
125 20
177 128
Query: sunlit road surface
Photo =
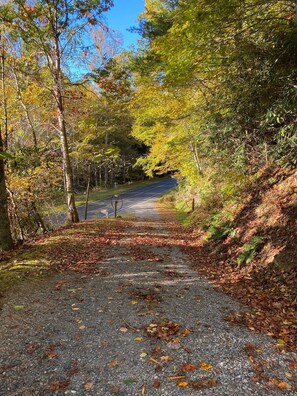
139 202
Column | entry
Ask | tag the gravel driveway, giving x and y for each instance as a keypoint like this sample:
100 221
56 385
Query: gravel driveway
151 326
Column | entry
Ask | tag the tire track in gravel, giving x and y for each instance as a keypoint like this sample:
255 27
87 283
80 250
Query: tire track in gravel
152 326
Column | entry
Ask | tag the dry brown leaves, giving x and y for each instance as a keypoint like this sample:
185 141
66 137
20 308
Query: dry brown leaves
81 247
165 330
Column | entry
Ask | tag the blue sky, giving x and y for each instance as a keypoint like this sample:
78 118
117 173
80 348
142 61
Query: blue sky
123 16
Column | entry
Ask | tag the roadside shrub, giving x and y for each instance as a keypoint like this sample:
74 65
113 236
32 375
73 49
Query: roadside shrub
219 229
249 250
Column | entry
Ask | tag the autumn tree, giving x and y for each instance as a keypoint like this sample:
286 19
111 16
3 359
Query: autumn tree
231 65
50 28
5 233
6 242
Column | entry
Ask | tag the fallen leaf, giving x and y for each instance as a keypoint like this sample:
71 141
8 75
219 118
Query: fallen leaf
173 345
186 332
156 384
19 307
137 339
182 384
123 329
189 367
293 365
204 383
51 355
153 360
166 358
288 323
59 385
59 285
284 385
75 309
133 302
113 364
82 327
88 386
115 389
205 366
177 377
143 354
143 390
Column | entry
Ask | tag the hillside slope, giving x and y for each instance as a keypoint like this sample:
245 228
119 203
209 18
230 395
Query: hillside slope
253 254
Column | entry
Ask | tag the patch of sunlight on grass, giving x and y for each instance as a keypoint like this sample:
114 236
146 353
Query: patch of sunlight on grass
26 265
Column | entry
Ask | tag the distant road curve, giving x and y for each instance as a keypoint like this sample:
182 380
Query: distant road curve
139 202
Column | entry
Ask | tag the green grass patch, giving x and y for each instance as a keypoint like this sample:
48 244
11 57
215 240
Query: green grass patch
30 263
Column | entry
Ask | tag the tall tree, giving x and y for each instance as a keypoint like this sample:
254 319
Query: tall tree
50 28
5 233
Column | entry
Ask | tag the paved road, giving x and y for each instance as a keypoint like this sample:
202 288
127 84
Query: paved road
139 201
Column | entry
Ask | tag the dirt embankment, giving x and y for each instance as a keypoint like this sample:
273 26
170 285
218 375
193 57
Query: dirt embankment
257 260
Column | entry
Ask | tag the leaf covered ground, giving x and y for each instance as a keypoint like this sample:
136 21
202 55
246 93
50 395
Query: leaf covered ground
121 312
257 261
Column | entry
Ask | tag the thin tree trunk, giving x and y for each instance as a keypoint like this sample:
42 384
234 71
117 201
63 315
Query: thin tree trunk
124 170
196 157
38 218
20 97
72 214
96 175
88 192
4 98
6 242
15 212
106 165
100 174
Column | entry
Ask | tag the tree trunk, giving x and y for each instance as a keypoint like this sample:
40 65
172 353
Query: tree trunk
197 161
20 97
106 163
55 61
38 218
72 214
18 225
88 192
6 242
4 143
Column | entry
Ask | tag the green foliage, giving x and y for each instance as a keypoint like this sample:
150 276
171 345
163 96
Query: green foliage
221 91
218 229
249 250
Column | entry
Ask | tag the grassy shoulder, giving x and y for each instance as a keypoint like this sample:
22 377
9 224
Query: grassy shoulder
78 247
97 194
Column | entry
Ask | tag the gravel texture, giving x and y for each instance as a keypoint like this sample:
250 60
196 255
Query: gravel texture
93 335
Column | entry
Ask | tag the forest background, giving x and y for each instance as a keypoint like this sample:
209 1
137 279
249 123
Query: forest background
209 94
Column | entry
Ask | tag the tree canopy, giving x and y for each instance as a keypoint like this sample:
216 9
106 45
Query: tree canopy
210 94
